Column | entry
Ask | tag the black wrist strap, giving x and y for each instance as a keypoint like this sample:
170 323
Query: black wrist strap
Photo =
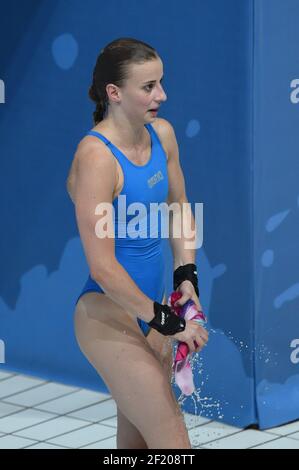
166 321
188 272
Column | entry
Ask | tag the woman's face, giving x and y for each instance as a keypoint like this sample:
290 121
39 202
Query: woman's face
143 90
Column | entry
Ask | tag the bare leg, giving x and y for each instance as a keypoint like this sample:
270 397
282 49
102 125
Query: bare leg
128 436
113 343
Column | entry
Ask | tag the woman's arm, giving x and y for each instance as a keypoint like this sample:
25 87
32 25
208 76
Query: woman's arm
182 254
177 194
94 184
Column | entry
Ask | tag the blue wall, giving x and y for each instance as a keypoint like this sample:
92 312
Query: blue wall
229 69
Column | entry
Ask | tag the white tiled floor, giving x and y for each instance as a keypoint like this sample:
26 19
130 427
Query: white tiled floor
37 414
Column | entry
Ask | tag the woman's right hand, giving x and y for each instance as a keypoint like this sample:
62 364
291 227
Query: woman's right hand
191 334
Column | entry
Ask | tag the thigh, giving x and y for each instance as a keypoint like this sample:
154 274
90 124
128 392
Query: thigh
111 340
162 347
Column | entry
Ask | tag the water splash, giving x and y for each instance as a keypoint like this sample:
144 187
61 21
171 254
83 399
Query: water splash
208 406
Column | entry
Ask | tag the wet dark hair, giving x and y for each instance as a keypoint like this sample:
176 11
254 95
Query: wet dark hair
112 66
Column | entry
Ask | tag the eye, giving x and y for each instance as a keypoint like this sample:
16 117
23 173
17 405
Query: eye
147 86
151 85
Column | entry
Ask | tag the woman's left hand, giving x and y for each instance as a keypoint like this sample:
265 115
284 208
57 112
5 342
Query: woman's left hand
188 291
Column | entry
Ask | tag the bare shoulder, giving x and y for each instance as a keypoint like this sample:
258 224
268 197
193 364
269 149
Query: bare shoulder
166 134
91 155
93 147
163 125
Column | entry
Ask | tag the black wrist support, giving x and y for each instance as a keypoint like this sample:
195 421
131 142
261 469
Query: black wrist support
166 321
188 272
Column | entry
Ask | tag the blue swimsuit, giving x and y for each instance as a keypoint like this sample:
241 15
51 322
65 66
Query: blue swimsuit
141 257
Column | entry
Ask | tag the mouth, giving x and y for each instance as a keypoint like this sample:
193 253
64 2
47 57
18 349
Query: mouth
153 110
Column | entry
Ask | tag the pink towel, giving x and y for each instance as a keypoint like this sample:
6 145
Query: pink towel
181 366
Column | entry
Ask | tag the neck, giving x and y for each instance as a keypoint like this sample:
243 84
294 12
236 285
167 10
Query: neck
130 134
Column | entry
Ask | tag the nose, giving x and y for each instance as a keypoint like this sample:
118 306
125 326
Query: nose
162 96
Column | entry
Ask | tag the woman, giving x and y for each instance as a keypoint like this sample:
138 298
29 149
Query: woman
122 323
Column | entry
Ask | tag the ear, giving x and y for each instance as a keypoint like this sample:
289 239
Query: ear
113 92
